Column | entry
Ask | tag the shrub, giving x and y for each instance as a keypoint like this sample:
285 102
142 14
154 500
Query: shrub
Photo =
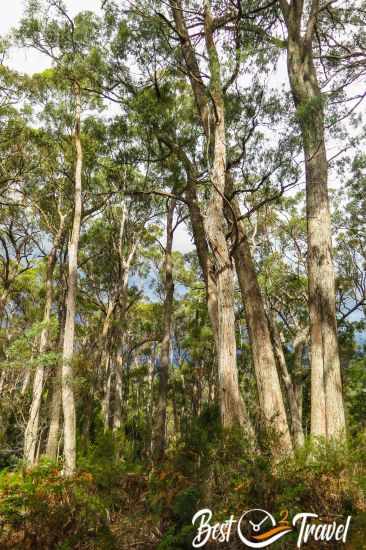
40 508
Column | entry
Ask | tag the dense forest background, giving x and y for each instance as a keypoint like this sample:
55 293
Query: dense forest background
182 269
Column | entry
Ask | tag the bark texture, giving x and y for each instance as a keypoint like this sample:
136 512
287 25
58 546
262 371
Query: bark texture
31 431
212 118
159 428
55 418
327 408
292 390
68 399
268 383
53 438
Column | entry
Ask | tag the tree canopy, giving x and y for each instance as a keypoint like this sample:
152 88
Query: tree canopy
182 269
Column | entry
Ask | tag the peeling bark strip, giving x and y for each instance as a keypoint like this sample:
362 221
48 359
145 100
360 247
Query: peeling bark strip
68 400
327 408
159 429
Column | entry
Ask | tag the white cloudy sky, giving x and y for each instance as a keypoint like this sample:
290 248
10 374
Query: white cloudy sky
31 61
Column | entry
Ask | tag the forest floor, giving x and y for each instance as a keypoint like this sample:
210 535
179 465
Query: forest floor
113 504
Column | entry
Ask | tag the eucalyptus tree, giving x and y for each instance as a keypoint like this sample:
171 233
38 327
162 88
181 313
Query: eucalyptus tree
16 252
280 241
18 291
197 163
327 409
48 207
111 255
159 428
350 246
72 47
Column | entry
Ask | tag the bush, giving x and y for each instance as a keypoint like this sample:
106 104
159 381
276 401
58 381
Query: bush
39 508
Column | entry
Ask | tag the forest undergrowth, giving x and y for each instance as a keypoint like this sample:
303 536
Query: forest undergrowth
117 500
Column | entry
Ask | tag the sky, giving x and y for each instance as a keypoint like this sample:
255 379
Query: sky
26 60
30 61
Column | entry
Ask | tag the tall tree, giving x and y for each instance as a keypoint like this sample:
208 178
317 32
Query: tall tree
159 428
327 411
213 123
68 399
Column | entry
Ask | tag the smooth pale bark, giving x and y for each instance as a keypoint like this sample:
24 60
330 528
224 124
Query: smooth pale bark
104 364
3 302
118 396
31 431
107 391
209 275
53 439
160 415
231 402
55 418
68 399
232 407
327 408
28 370
199 237
268 383
293 391
26 381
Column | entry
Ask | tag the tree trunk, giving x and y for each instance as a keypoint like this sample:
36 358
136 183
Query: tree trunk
268 383
31 431
159 429
55 418
292 394
118 398
26 381
199 237
299 374
327 408
53 438
231 403
2 380
3 302
68 399
107 391
232 407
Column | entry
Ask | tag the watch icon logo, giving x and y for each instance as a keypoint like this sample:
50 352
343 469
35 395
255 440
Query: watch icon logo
258 528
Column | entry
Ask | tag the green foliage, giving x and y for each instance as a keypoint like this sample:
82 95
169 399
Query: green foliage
74 510
306 110
355 395
324 477
150 145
